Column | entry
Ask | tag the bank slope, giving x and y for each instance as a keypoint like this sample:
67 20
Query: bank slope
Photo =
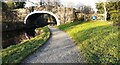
16 53
97 40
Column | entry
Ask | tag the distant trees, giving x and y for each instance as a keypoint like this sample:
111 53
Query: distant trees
100 8
19 4
50 2
86 9
12 5
110 6
54 2
112 9
84 12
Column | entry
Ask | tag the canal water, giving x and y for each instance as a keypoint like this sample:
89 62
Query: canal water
17 36
12 37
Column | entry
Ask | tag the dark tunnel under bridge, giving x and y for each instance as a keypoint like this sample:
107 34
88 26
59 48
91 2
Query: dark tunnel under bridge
40 19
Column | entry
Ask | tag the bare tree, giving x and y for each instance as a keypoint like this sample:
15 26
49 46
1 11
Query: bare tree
105 11
53 2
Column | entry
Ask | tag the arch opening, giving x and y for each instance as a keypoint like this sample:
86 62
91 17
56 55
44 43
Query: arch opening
38 16
38 19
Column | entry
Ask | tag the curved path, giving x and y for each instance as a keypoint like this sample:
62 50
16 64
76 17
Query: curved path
58 49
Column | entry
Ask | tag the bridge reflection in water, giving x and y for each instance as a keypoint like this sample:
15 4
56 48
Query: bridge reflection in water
16 36
12 37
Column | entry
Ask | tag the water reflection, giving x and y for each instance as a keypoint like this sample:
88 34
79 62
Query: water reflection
29 33
12 37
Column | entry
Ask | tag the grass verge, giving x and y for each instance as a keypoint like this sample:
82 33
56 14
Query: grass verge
16 53
97 40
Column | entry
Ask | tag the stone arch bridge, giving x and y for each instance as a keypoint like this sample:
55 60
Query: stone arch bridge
60 15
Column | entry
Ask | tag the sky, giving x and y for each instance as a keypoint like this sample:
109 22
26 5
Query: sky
85 2
74 2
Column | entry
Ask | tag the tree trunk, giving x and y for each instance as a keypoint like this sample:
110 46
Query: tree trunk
105 12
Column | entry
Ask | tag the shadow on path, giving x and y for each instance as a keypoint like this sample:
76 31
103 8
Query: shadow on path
58 49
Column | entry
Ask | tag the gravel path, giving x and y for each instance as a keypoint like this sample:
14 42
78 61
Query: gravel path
58 49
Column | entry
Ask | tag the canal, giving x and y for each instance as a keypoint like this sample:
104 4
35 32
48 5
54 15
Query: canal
16 36
12 37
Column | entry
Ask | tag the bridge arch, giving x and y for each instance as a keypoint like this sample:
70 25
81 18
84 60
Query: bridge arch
42 12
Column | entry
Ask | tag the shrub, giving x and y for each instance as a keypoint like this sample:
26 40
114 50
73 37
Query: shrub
115 17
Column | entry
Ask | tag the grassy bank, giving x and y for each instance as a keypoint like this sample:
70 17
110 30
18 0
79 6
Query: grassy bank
97 40
16 53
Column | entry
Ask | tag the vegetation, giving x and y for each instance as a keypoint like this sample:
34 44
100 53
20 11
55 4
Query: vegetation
19 4
100 8
110 6
114 17
86 9
97 40
16 53
12 5
112 9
